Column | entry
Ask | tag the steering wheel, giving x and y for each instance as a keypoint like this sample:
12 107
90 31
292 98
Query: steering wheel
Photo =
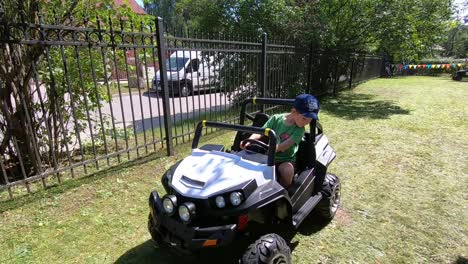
256 146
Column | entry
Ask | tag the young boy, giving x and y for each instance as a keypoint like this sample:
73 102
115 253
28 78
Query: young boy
289 128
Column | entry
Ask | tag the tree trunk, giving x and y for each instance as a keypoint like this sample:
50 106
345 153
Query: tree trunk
15 102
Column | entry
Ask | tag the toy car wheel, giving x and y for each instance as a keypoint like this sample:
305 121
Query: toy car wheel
185 90
270 248
331 191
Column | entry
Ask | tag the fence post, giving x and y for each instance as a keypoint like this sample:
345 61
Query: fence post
164 85
335 74
2 12
352 69
309 70
263 72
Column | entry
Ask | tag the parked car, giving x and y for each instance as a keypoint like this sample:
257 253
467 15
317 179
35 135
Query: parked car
188 72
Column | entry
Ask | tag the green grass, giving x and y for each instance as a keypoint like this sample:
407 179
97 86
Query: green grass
402 158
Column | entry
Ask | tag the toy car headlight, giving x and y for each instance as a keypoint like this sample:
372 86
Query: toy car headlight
186 211
236 198
169 203
220 202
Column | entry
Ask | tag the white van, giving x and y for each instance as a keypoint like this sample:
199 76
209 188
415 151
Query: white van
187 72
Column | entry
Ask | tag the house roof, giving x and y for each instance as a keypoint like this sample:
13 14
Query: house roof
136 8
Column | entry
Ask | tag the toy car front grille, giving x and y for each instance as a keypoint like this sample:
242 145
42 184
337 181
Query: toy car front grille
203 216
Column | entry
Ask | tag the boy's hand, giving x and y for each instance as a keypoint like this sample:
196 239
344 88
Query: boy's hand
243 144
284 145
279 148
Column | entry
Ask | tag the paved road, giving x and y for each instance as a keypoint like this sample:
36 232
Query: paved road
148 108
147 112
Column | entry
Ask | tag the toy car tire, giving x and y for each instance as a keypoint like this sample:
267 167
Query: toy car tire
331 191
270 248
184 90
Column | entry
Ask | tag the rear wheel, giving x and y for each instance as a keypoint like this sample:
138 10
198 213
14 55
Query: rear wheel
331 191
268 249
185 90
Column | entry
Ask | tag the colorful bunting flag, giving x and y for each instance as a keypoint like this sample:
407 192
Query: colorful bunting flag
427 66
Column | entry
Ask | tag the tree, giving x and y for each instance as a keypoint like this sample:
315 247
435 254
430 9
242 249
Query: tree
164 9
460 47
406 30
457 42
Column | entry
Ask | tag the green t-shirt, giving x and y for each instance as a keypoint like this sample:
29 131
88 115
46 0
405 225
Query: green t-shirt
284 132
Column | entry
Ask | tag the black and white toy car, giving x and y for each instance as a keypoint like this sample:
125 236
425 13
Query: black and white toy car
214 195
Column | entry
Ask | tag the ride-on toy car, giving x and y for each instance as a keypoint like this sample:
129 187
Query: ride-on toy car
458 75
213 195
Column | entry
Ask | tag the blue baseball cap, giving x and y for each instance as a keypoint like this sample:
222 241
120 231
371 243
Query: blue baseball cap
307 105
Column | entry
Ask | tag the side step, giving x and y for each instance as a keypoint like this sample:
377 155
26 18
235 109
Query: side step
305 210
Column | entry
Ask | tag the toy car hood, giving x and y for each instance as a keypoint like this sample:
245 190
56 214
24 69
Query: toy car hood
207 173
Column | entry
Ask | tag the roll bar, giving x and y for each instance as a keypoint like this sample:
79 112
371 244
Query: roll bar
248 129
273 101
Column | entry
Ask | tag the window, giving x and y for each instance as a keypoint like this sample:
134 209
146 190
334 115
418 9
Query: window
176 64
194 65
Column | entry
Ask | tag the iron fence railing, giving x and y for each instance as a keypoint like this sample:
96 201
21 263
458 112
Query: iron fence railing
86 95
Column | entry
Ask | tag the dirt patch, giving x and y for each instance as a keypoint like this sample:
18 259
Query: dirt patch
343 217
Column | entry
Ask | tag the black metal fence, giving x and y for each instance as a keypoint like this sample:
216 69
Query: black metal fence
84 96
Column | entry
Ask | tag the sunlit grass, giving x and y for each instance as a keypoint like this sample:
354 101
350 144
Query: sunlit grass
402 158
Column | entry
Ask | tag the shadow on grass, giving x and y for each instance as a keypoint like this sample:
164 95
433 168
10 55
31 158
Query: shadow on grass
308 227
461 260
147 252
354 106
55 189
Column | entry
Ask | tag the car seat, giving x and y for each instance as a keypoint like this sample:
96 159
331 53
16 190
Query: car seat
305 156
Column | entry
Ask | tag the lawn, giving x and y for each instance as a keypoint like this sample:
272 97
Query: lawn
402 158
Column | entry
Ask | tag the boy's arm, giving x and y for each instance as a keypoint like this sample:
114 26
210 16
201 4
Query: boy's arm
255 136
295 138
269 124
285 145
